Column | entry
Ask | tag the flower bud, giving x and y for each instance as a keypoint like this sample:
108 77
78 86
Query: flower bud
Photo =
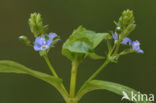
36 25
126 19
131 27
126 22
25 40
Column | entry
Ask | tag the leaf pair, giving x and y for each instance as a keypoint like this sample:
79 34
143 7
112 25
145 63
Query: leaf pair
82 43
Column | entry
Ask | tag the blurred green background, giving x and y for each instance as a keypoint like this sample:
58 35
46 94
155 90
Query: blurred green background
134 70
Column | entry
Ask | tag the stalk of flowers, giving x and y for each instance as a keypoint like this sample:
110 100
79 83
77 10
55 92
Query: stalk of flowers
127 41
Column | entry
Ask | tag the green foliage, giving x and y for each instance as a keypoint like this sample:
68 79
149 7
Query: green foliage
82 43
36 25
110 86
7 66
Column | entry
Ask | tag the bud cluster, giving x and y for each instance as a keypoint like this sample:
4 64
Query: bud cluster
36 25
126 22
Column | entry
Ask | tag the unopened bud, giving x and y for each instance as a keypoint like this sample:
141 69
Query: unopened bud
36 25
25 40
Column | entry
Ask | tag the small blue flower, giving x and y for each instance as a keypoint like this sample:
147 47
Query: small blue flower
115 36
42 44
136 46
118 28
124 41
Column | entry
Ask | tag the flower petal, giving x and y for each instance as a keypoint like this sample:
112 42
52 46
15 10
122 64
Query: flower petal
37 48
126 40
49 41
40 40
52 35
115 36
140 51
136 46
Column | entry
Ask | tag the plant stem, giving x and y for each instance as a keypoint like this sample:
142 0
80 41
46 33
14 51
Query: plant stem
117 48
94 75
73 78
72 100
123 35
99 70
50 66
62 90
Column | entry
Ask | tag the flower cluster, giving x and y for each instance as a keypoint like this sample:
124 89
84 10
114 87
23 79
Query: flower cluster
135 44
41 43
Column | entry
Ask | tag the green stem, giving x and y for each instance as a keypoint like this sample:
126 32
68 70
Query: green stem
62 90
124 53
94 74
73 78
99 70
119 41
50 66
72 100
117 46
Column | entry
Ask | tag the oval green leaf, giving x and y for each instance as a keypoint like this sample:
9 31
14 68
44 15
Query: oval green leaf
82 42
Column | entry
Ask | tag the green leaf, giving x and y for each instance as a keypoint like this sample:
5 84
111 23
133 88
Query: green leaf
82 42
7 66
110 86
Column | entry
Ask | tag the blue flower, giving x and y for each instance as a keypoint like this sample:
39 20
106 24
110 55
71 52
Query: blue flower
124 41
136 46
118 28
42 44
115 36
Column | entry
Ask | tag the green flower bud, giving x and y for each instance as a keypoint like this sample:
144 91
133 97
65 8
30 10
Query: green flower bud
130 28
36 25
126 19
126 23
25 40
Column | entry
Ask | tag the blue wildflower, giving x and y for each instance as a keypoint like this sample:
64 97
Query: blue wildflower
115 36
118 28
136 46
42 44
124 41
